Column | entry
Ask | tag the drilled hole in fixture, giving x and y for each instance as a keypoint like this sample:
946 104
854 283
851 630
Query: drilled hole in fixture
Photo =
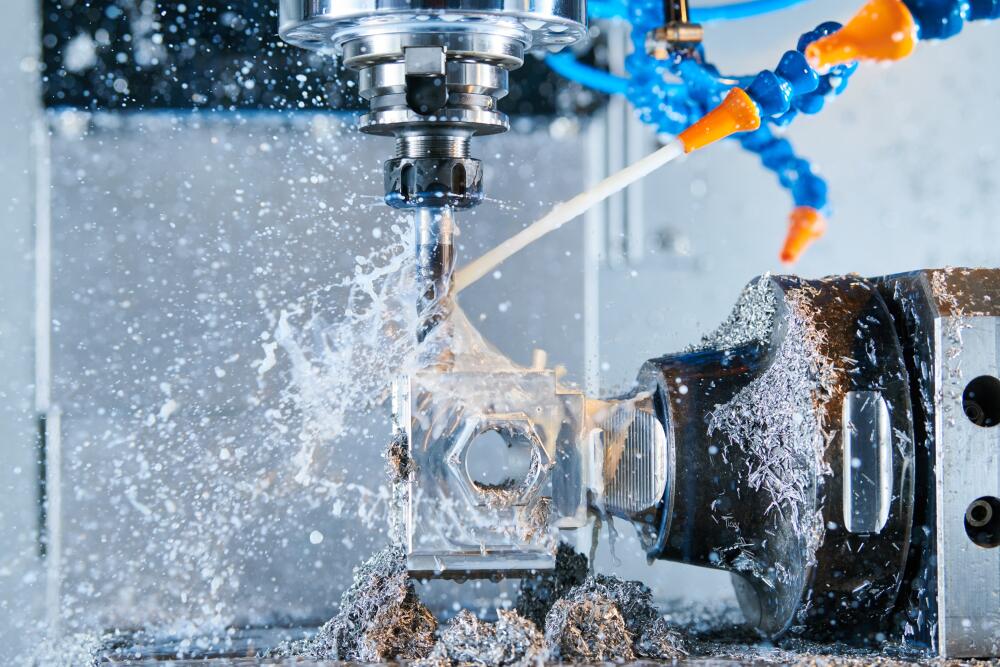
981 401
982 521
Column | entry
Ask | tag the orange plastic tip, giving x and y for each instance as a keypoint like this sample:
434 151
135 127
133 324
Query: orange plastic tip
882 30
736 113
806 224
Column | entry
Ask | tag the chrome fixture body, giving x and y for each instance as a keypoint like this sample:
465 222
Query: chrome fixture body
432 73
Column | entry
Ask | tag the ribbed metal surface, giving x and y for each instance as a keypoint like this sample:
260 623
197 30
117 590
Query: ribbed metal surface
636 482
432 146
322 24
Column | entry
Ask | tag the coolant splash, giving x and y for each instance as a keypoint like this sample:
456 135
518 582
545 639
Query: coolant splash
344 362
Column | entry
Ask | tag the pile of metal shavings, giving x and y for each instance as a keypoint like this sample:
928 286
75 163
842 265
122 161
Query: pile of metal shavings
381 618
399 467
539 592
776 422
633 598
606 618
511 641
751 320
587 627
397 458
661 641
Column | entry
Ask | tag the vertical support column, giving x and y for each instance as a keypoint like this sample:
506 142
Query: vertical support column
627 140
639 142
48 416
616 156
20 550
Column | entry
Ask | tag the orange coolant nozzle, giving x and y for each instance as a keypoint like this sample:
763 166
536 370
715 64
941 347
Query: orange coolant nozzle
736 113
881 30
805 225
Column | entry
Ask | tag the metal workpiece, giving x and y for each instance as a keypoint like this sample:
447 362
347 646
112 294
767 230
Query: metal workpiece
460 524
552 456
432 76
803 384
949 321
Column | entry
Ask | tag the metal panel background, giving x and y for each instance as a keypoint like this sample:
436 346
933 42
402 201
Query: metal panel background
22 581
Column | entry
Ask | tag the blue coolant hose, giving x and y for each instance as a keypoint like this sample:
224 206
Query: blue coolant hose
566 65
607 9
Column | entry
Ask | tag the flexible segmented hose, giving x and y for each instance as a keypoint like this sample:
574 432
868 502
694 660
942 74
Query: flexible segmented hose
820 67
792 87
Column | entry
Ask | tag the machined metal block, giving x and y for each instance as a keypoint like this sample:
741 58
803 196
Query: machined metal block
952 323
458 523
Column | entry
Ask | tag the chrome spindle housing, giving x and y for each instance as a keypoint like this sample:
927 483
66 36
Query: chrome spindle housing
432 73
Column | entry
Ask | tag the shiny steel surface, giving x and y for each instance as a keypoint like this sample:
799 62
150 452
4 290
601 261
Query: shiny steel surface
421 145
475 78
969 464
968 460
952 320
329 24
435 254
636 459
501 43
455 526
609 457
867 462
399 119
429 68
